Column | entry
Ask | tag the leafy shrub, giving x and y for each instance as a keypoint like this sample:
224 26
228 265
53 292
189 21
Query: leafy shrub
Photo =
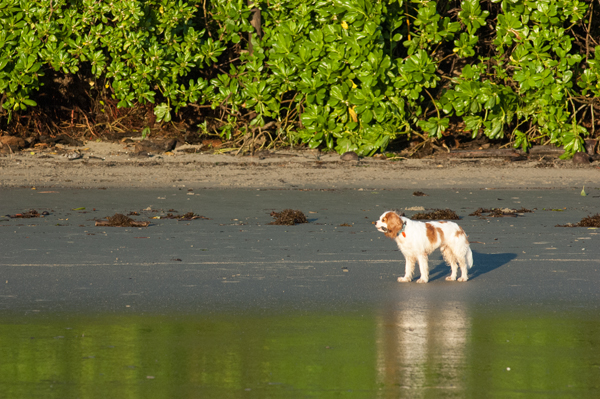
344 74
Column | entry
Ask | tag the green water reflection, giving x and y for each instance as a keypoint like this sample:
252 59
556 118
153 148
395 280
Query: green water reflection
392 353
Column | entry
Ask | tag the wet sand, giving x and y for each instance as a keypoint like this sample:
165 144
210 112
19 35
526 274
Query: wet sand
230 306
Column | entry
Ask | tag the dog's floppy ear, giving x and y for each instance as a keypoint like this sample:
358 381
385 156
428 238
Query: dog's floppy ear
394 224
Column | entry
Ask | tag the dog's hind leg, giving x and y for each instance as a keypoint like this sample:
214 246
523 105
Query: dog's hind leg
451 261
463 270
454 267
409 271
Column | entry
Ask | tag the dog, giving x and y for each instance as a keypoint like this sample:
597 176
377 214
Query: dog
416 240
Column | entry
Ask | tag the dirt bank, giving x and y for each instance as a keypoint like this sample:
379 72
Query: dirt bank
99 164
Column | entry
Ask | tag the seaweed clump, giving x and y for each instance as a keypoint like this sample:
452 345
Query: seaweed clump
120 220
436 214
185 217
589 221
288 217
29 214
499 212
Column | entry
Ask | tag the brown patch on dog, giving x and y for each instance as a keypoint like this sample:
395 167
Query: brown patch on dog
440 232
394 224
461 232
431 233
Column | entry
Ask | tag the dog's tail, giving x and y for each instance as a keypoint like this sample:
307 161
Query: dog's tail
469 258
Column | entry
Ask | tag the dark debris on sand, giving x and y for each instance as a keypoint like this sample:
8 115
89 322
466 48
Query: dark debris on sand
184 217
29 214
419 194
499 212
288 217
436 214
120 220
589 221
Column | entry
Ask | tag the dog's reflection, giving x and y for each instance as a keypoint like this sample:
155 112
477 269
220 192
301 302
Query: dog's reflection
413 342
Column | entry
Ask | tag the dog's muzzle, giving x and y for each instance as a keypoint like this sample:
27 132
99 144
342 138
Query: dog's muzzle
382 228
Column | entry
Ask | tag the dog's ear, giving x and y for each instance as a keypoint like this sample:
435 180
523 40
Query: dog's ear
394 224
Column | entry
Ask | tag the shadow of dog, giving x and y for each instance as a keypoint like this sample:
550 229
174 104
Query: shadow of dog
482 264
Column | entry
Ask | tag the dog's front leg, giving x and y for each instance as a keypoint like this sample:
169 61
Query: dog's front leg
424 269
409 271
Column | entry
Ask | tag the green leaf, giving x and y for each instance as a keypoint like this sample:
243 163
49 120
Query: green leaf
145 132
163 112
29 102
434 126
366 116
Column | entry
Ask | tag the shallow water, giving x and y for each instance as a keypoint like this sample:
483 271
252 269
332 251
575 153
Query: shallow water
449 351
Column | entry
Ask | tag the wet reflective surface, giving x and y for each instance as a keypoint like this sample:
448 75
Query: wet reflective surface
234 308
449 351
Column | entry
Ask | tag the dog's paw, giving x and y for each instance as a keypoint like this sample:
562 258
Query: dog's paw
450 278
463 279
422 280
403 280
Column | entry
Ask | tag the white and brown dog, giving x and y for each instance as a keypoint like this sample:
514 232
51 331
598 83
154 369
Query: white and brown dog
416 240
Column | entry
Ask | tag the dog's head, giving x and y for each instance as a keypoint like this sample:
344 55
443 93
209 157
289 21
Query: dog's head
390 224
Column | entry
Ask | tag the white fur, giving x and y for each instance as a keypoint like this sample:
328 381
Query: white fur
416 246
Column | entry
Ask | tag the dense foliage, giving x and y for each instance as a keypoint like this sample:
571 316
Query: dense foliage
345 74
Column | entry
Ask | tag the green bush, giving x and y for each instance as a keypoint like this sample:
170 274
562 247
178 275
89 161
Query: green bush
344 74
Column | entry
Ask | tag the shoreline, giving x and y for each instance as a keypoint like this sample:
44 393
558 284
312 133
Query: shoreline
110 165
